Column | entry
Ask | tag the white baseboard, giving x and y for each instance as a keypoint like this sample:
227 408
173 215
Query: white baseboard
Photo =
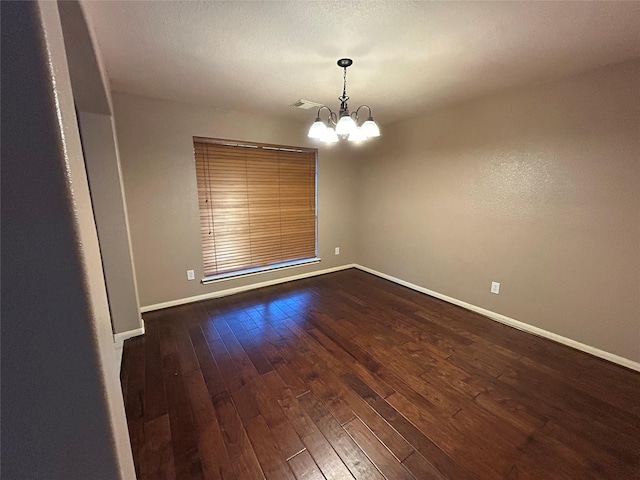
244 288
625 362
119 338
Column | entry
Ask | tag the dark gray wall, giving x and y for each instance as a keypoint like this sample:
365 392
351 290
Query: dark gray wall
62 413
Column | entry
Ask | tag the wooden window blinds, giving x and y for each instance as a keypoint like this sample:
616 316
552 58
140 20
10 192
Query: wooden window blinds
257 206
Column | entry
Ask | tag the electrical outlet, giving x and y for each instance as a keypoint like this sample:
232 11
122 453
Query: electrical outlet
495 287
191 275
337 250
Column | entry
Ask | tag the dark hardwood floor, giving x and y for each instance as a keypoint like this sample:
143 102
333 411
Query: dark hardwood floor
348 375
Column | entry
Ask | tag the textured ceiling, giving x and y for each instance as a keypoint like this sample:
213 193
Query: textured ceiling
408 56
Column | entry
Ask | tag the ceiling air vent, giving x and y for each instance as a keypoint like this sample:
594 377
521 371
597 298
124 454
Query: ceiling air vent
305 104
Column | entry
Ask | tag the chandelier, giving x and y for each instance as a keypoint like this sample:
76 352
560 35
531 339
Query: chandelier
346 125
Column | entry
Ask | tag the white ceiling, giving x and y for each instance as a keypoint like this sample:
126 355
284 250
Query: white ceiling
408 56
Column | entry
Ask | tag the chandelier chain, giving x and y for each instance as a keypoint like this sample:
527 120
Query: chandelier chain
344 84
343 99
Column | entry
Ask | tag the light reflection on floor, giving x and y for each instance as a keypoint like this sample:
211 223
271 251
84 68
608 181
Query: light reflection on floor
260 316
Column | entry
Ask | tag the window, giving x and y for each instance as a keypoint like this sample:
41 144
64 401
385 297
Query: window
257 206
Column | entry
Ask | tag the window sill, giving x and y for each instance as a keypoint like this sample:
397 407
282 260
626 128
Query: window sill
257 271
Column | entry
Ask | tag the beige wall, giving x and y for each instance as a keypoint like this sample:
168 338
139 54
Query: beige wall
107 196
156 153
89 81
537 188
92 98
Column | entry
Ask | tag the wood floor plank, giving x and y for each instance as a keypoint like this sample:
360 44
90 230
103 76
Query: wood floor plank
381 370
315 442
208 367
390 438
244 365
519 416
376 451
226 366
421 468
471 458
324 385
267 395
304 468
156 456
492 435
187 355
353 457
241 454
155 401
597 456
183 435
260 362
166 336
444 372
356 367
247 467
216 464
273 463
589 428
188 465
239 389
421 442
285 372
231 425
347 375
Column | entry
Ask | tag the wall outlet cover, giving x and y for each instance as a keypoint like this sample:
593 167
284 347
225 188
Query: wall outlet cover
191 275
495 287
337 250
